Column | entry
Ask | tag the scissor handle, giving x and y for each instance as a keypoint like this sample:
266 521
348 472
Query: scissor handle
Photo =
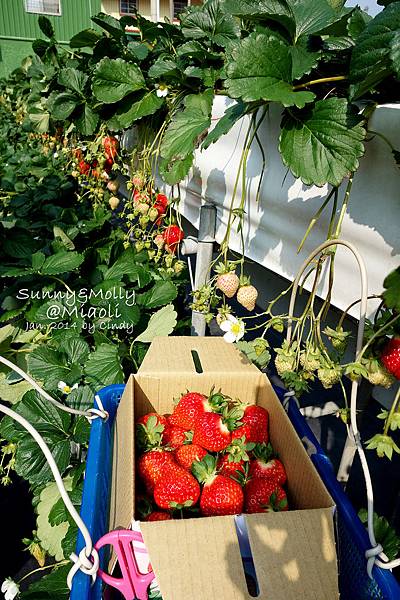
133 583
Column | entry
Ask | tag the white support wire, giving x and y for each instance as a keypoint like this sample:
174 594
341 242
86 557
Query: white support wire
81 562
375 555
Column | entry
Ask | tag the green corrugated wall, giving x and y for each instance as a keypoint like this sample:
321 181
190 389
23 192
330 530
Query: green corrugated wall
16 23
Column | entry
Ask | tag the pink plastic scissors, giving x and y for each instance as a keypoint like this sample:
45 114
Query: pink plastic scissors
133 583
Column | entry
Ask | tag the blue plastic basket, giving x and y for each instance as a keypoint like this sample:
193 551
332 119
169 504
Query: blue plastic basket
352 538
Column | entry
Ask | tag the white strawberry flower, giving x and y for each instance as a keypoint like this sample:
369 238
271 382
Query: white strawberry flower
162 90
10 589
233 327
66 389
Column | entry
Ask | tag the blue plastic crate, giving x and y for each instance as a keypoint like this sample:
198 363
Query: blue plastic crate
352 538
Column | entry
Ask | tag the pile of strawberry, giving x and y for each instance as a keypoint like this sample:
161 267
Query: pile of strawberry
210 457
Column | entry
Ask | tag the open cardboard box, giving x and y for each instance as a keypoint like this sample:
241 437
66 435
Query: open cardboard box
199 559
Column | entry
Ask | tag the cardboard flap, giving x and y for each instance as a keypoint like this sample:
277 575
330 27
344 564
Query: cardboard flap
294 557
174 355
294 554
122 485
196 559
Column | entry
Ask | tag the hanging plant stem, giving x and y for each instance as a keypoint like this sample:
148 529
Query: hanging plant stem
393 409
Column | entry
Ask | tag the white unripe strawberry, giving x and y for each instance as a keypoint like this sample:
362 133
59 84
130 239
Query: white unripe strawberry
247 296
113 202
228 283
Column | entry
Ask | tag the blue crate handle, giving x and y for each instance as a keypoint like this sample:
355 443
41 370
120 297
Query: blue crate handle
384 586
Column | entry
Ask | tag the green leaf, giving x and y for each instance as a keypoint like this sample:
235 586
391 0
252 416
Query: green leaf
161 293
311 16
47 365
130 110
211 22
181 136
260 9
322 144
124 265
58 512
63 106
161 323
371 59
163 66
45 26
113 79
303 59
52 586
62 262
86 38
13 392
232 115
72 79
138 49
260 68
391 295
87 121
395 53
76 349
103 366
81 398
175 172
51 536
20 244
357 22
58 233
109 24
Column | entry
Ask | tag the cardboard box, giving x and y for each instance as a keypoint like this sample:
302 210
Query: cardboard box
199 559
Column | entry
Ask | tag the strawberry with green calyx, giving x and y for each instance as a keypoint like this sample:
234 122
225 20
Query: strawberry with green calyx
172 235
187 454
149 431
253 425
152 464
175 436
310 359
285 360
338 338
329 374
110 145
176 489
247 294
377 374
264 495
390 357
227 280
220 495
235 458
266 465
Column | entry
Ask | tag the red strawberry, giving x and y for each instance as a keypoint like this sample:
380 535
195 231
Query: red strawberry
230 468
108 163
186 455
256 418
391 357
264 495
211 433
158 515
162 199
176 489
161 420
189 407
174 436
84 167
110 145
221 495
265 466
149 431
151 466
172 236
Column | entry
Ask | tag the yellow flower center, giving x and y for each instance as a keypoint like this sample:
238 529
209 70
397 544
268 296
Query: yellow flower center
235 328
